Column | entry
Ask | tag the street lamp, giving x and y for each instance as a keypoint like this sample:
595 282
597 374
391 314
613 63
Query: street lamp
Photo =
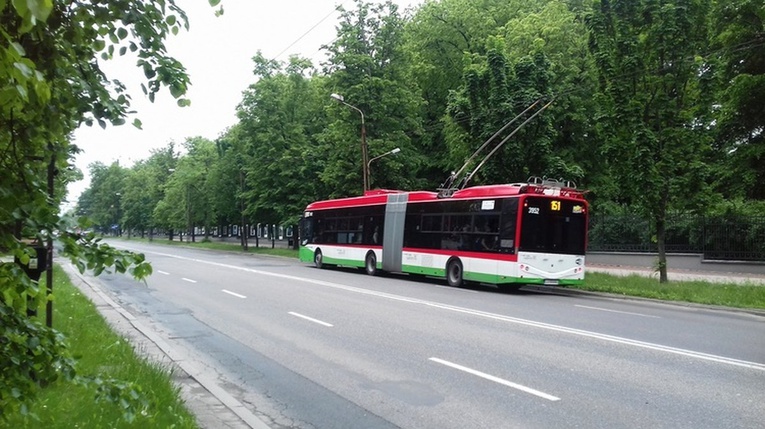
116 227
364 155
369 164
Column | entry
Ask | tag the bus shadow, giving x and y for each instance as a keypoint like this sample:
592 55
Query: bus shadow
525 290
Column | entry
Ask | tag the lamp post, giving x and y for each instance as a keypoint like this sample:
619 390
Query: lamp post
369 164
243 230
170 234
115 209
364 154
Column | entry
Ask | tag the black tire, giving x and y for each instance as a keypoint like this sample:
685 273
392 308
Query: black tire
454 273
318 259
370 263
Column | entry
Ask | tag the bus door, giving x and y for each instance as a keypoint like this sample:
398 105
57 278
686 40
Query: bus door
307 229
508 226
393 232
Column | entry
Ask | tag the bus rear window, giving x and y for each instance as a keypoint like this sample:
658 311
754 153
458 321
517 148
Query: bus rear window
551 225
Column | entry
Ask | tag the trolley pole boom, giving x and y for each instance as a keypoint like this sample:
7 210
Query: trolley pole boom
496 148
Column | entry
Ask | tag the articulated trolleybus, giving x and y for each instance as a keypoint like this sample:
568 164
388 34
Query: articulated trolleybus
506 235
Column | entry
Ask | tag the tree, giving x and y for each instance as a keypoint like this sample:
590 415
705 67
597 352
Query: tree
186 203
227 179
103 204
493 91
279 115
50 83
138 198
449 40
738 28
649 86
366 66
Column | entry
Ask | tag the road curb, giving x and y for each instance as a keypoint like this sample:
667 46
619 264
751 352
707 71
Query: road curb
245 418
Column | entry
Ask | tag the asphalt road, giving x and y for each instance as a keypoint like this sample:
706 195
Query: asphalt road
307 348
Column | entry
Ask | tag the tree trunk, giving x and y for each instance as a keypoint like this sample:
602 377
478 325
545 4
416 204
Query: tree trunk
661 228
243 233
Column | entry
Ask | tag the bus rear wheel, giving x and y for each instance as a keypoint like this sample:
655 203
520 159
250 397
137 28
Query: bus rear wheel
454 273
370 263
318 260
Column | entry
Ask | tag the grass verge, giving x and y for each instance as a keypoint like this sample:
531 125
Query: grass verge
698 292
264 249
103 354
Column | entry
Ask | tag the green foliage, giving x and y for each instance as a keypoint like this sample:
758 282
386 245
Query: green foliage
187 191
31 355
102 202
650 98
643 116
275 155
51 83
34 356
112 386
493 92
366 66
739 28
87 252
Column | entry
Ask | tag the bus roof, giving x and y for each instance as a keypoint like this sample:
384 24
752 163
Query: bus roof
380 196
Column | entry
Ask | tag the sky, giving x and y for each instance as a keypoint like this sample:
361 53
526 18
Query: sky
217 53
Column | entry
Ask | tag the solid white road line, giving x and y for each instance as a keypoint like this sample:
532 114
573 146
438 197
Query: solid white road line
494 316
233 293
163 272
188 280
617 311
502 381
329 325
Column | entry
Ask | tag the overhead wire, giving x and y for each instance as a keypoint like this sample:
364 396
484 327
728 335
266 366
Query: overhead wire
337 8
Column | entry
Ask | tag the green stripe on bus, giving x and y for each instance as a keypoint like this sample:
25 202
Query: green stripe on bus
485 278
305 254
344 262
426 271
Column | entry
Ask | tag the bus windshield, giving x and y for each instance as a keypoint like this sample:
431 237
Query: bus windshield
551 225
306 230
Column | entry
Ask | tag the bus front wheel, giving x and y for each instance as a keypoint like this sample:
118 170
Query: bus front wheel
370 263
317 259
454 273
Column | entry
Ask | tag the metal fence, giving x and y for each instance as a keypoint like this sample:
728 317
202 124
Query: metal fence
738 238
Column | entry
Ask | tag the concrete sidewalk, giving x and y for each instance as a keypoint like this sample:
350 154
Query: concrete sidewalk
680 275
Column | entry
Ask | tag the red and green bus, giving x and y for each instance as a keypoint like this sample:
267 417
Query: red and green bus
506 235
